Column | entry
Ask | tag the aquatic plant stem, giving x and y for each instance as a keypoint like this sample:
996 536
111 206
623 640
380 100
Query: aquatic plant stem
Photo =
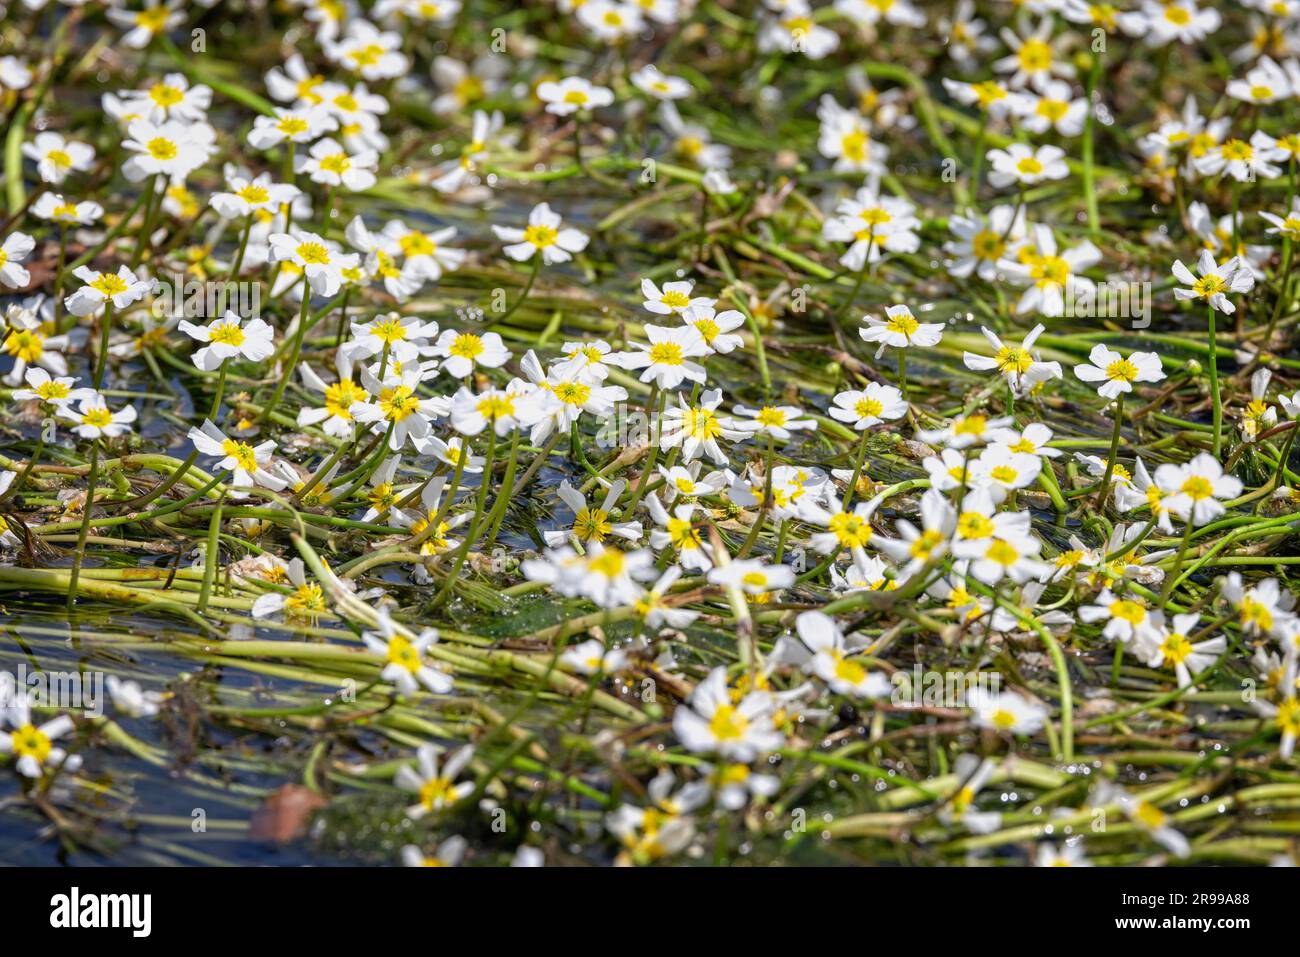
91 477
1216 407
1114 452
291 364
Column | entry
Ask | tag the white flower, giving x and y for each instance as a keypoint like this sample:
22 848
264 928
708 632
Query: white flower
831 659
463 352
542 235
143 25
1244 161
1160 22
1265 82
982 243
1050 275
795 31
227 339
245 462
739 731
667 359
874 404
677 530
54 391
1116 373
1066 855
56 157
673 299
504 411
120 288
436 786
404 662
297 125
697 428
691 141
247 196
845 138
900 329
319 259
1021 367
132 700
1006 712
1033 59
610 20
1025 165
590 658
171 98
572 94
94 419
173 149
54 207
32 744
1191 491
364 49
592 524
15 248
1216 281
1055 109
652 82
753 576
1126 618
1172 649
329 163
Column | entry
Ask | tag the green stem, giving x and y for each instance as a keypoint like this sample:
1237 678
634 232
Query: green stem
91 477
291 364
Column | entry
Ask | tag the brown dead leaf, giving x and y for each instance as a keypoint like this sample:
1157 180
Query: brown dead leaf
285 814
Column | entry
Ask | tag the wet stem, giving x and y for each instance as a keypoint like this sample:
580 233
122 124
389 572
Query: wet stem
528 287
1114 451
91 477
243 247
1216 407
1172 575
293 355
105 328
857 286
484 482
858 461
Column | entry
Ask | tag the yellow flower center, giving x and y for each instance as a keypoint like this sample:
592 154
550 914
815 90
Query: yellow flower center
243 454
728 724
540 236
666 353
313 253
30 741
591 524
467 346
1121 370
161 148
1125 609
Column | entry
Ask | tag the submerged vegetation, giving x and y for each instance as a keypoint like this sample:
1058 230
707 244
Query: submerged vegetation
636 431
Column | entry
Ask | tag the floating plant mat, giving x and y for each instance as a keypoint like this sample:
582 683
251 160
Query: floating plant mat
648 433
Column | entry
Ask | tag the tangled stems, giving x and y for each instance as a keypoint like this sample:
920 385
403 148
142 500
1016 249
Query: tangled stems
180 471
91 477
472 534
292 363
1215 404
1114 451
